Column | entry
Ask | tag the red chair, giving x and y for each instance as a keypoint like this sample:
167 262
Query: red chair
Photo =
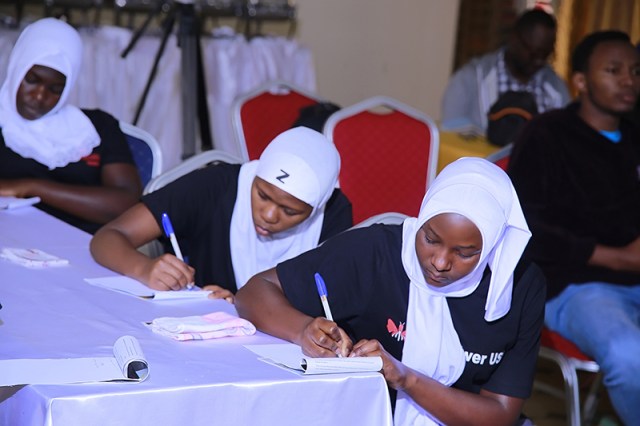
264 113
389 154
501 157
570 359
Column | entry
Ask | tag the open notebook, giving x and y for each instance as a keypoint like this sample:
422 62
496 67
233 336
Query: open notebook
128 363
132 287
290 356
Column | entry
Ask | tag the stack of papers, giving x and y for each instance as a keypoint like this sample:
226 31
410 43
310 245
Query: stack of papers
132 287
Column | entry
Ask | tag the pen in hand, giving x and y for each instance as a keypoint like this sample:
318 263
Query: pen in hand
322 291
168 230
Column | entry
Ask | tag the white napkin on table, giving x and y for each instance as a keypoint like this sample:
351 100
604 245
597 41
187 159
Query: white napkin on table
32 258
210 326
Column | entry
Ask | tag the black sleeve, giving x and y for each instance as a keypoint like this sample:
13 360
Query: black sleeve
192 200
516 371
345 262
535 165
113 146
338 215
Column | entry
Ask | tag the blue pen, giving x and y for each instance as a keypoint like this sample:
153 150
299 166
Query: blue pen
322 291
168 230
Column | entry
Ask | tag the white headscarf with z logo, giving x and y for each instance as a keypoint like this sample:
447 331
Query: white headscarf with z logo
301 162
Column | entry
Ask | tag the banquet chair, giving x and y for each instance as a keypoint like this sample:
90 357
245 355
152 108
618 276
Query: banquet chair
570 360
501 157
198 161
203 159
388 218
389 154
264 113
145 150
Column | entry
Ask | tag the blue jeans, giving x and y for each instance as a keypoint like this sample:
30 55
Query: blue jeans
603 320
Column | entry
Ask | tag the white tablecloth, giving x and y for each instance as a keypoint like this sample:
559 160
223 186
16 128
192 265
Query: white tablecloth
53 313
232 66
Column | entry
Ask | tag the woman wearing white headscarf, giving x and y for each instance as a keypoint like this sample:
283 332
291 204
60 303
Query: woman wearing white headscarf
442 299
231 220
76 161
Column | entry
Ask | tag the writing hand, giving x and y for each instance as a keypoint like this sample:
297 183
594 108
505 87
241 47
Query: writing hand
218 292
395 372
323 338
167 272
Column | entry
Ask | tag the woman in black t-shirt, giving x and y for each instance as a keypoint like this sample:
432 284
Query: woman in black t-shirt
77 162
232 221
435 298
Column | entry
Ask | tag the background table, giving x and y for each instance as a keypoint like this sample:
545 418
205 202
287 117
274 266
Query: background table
454 146
54 313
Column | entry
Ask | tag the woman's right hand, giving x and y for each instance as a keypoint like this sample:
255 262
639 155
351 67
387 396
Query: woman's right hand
167 272
322 338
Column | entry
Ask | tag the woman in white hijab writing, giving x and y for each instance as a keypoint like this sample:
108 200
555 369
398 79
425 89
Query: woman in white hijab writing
77 161
233 221
442 298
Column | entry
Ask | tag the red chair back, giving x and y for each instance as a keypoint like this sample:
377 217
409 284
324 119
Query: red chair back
501 157
266 112
387 158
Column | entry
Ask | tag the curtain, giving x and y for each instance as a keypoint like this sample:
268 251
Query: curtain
577 18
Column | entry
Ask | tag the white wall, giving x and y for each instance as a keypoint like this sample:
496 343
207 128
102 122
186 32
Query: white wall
399 48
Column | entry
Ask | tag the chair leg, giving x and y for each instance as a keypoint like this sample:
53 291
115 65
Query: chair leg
572 391
591 401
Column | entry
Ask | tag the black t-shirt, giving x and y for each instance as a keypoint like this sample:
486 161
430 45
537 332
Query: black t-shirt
200 205
368 291
113 148
577 189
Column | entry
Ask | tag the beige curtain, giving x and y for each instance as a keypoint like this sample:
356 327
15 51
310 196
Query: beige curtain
577 18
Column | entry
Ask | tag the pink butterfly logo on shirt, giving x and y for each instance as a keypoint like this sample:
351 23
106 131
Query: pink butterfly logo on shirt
398 332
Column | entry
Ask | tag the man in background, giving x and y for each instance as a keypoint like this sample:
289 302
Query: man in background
521 65
577 174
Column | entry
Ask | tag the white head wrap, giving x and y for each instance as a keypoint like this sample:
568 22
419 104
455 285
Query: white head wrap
65 134
483 193
301 162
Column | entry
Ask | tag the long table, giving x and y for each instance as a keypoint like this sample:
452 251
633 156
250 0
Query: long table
54 313
454 146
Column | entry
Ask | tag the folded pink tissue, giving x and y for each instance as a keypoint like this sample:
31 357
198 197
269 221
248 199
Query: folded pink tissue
31 258
210 326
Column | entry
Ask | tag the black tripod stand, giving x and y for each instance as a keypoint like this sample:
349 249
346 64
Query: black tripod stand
192 82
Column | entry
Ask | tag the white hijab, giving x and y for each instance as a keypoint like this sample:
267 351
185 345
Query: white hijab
65 134
310 164
483 193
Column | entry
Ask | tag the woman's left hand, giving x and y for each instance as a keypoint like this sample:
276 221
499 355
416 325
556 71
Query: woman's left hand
394 371
218 292
14 188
